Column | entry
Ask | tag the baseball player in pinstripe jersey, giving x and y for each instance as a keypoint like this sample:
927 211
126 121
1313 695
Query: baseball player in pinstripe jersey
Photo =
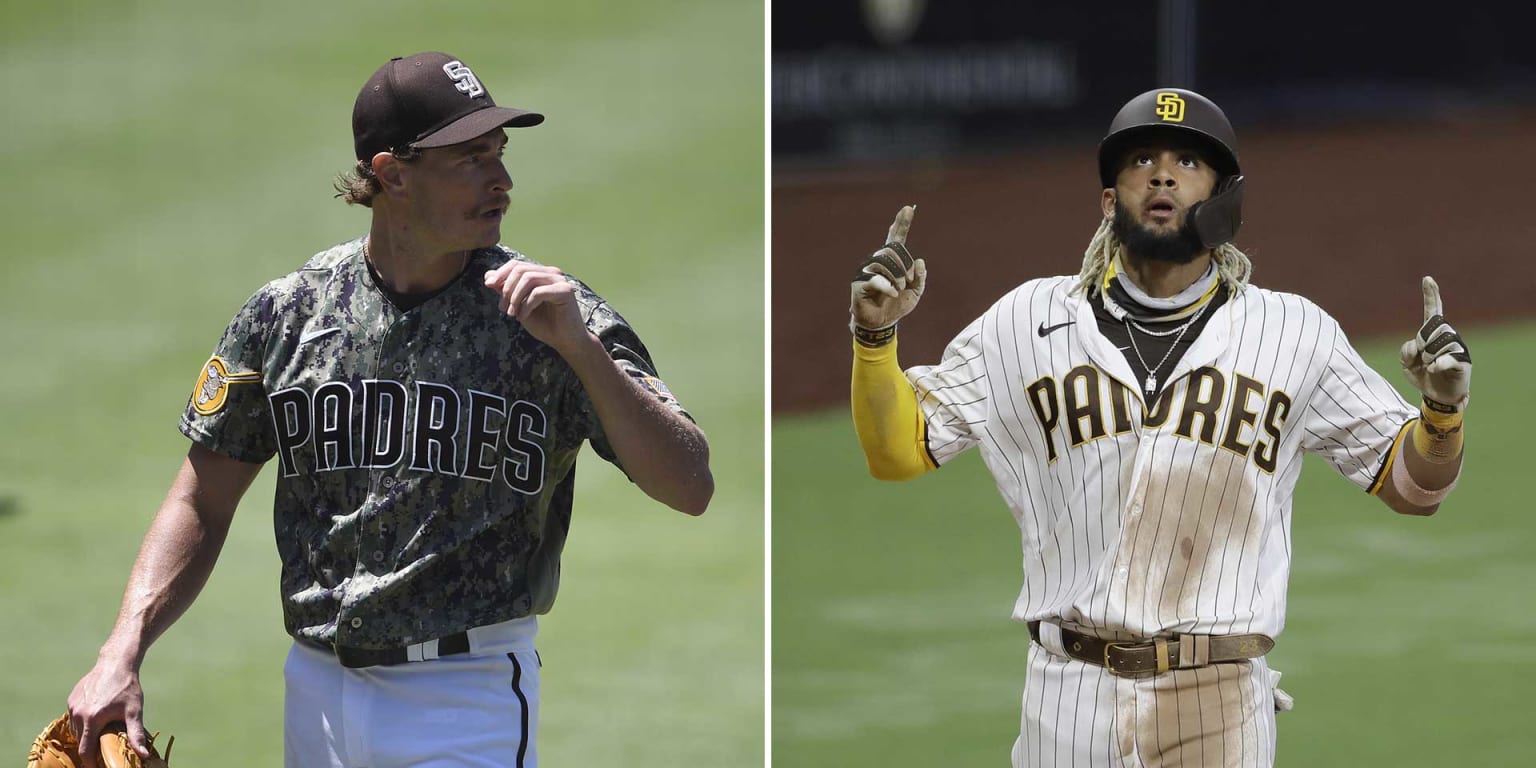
425 392
1145 421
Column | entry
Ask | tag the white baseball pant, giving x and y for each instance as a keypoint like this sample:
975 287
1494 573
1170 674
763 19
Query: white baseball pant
1078 714
478 709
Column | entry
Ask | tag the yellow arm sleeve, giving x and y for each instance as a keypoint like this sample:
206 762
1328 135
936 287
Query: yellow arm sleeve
885 414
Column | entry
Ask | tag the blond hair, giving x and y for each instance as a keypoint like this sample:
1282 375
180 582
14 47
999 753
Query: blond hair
1232 265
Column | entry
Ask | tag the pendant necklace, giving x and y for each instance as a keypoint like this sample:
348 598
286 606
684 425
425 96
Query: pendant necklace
1151 383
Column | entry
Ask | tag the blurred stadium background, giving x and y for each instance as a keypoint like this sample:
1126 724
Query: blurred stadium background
1380 145
164 158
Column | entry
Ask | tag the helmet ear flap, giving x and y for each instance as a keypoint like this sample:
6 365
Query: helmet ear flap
1217 218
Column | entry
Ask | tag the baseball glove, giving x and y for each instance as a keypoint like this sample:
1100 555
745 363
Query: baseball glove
57 747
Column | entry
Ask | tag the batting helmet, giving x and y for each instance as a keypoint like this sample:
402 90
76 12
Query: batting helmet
1169 108
1216 219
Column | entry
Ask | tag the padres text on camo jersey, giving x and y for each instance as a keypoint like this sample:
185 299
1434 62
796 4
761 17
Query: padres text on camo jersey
415 451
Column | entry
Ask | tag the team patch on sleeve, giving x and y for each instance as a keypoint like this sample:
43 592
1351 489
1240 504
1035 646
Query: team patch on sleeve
212 389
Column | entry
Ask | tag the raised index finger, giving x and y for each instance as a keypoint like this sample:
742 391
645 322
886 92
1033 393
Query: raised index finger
899 227
1431 298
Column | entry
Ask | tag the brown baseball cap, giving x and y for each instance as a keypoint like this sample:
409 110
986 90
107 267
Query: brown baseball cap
427 100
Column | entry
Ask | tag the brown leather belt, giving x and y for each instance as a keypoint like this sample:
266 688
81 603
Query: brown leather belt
1156 656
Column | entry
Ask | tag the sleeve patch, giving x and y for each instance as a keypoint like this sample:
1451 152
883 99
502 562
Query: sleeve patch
658 388
212 389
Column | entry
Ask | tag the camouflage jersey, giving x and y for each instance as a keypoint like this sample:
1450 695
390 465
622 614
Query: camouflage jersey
426 457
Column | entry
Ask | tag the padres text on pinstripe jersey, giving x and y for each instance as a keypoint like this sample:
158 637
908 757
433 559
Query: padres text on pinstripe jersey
426 457
1141 522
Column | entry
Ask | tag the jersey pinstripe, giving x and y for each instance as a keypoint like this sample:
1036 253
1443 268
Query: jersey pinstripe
1144 519
1076 714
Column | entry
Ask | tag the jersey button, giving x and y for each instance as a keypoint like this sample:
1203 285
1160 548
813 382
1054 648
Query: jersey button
389 482
378 557
398 367
356 622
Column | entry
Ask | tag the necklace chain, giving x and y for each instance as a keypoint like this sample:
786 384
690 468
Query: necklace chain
1170 331
1151 383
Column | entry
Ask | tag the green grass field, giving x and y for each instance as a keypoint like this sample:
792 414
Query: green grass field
1409 641
164 158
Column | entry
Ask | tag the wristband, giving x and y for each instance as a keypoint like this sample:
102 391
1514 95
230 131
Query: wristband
876 338
1440 411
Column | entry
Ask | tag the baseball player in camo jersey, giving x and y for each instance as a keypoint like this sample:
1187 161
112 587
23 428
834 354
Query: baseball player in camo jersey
425 392
1145 420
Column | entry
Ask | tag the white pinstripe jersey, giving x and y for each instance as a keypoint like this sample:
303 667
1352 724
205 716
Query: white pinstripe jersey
1173 521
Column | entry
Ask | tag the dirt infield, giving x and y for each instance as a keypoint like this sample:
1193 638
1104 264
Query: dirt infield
1349 217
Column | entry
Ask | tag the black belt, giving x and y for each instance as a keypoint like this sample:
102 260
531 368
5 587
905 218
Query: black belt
1153 657
357 658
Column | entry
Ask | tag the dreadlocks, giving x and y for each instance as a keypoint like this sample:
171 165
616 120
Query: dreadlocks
1232 265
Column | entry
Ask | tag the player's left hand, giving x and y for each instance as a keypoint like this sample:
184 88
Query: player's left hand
1436 359
542 299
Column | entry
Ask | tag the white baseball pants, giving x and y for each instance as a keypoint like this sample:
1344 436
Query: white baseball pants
479 709
1079 715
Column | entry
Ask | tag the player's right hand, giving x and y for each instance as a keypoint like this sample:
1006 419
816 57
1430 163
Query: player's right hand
889 281
109 693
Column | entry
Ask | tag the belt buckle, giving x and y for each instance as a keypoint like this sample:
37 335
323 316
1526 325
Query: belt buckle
1110 666
1159 647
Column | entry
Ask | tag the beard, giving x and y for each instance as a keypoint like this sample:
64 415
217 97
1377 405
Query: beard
1178 247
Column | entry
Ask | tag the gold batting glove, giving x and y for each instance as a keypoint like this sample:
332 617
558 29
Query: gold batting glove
886 286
